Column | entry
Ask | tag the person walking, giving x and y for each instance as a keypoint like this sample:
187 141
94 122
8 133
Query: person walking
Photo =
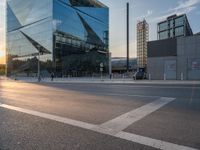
52 76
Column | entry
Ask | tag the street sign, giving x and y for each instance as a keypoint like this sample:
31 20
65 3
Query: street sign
101 65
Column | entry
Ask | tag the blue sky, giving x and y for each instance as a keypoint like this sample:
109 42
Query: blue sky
153 10
2 29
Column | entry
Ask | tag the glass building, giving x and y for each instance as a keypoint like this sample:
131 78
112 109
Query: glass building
174 26
71 37
142 39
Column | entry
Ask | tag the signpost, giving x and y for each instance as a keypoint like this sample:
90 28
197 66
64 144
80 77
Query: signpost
39 77
39 53
101 70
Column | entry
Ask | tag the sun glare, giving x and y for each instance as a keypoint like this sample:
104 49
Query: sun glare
1 53
2 57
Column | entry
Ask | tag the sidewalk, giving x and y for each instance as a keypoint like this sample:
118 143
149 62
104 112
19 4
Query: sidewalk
106 81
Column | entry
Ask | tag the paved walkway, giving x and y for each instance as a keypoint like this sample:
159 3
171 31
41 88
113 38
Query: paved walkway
105 81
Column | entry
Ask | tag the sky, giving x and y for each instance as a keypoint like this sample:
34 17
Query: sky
2 31
153 11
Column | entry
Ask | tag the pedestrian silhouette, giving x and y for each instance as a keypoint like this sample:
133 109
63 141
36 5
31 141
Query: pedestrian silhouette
52 76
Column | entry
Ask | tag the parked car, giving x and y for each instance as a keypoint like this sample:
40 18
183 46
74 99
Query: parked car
139 75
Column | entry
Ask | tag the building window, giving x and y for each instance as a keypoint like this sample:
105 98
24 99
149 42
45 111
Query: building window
163 26
179 31
171 33
171 23
179 21
163 35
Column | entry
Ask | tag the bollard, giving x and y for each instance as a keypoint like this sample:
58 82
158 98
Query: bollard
164 76
182 76
149 76
110 76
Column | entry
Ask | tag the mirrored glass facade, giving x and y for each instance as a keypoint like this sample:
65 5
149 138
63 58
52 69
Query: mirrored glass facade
71 36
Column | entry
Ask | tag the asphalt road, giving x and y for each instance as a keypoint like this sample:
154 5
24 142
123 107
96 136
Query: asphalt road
98 116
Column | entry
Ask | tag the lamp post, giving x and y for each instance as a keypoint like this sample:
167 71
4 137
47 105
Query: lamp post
127 15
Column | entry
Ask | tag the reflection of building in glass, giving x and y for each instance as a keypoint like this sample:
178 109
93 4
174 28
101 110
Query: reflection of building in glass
174 26
142 38
71 35
119 64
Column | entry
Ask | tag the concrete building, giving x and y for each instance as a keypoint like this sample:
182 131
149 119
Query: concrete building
142 38
174 59
174 26
176 55
69 36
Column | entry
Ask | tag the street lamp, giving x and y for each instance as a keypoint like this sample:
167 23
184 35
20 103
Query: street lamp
127 15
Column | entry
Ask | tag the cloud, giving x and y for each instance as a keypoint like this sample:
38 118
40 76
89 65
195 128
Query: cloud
188 4
146 15
185 11
183 7
2 2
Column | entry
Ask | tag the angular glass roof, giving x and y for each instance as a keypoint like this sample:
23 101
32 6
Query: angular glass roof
86 3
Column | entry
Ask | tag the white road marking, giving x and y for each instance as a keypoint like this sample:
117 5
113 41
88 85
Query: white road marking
120 123
157 86
146 85
147 109
50 117
123 94
151 142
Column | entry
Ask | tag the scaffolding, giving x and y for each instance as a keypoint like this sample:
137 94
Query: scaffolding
142 39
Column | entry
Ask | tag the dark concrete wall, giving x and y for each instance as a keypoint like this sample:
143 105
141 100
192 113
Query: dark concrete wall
162 48
187 58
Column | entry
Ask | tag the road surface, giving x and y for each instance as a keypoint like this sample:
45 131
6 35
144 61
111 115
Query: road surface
81 116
